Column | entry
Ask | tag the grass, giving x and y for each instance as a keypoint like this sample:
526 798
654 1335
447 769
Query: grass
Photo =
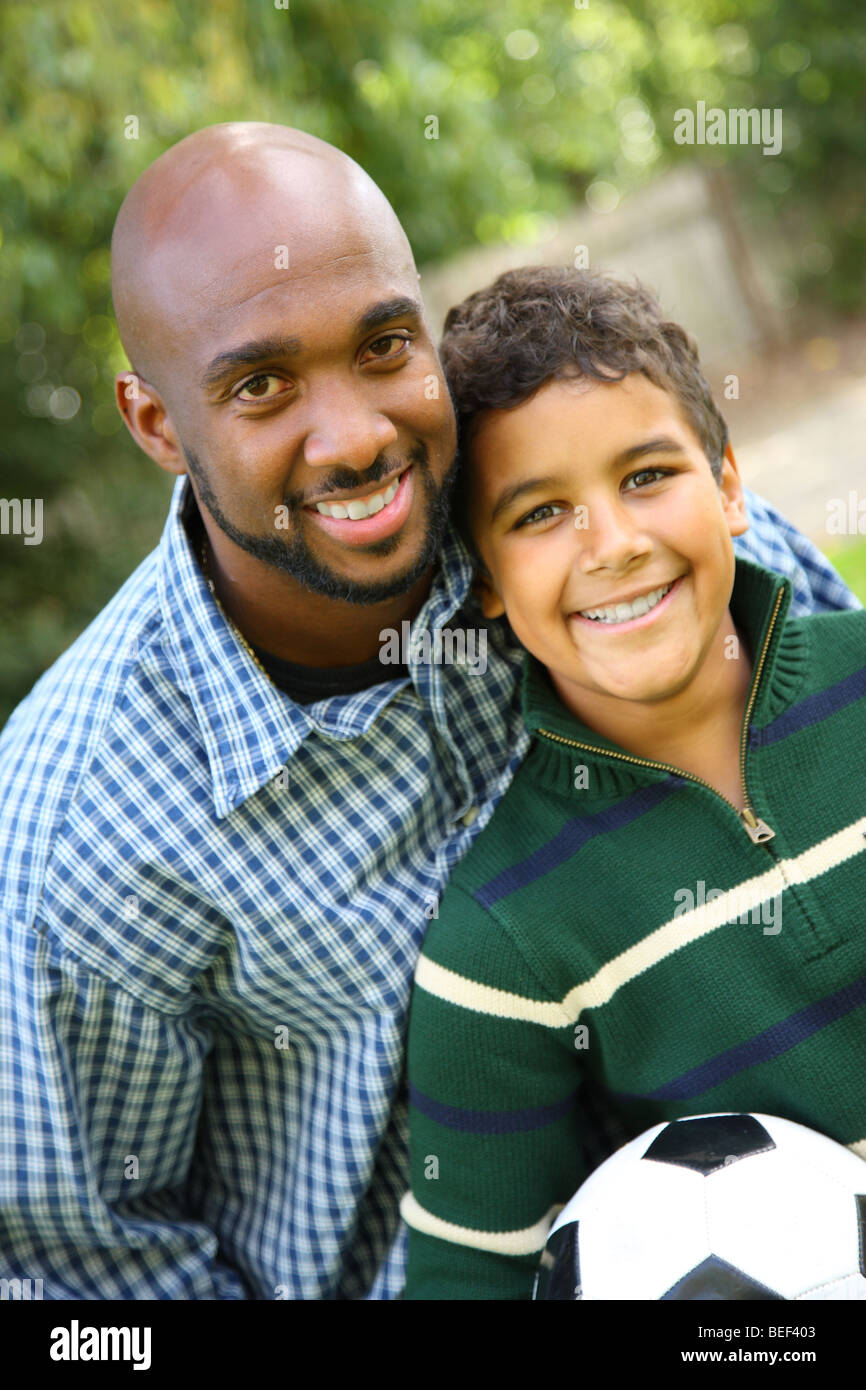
850 561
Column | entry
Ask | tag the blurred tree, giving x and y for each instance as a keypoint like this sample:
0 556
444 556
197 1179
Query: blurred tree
479 123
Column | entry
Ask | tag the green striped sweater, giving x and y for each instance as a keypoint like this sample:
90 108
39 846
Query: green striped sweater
616 950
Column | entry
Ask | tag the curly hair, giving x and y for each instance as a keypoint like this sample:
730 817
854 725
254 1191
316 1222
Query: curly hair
539 323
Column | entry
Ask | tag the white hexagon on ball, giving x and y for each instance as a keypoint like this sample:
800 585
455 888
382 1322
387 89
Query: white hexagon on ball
714 1206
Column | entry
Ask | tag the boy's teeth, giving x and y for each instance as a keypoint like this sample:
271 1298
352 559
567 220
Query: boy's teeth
624 612
360 507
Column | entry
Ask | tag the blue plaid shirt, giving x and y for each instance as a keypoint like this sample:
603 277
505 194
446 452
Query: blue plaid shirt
212 900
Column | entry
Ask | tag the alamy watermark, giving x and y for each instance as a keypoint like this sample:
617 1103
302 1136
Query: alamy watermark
77 1343
738 126
22 516
22 1290
441 647
769 911
846 517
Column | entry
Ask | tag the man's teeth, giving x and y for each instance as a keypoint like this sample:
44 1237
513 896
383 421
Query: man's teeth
624 612
358 508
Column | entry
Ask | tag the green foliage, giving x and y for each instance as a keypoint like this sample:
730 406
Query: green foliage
535 100
850 561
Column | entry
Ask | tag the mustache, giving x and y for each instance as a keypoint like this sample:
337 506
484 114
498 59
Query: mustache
342 479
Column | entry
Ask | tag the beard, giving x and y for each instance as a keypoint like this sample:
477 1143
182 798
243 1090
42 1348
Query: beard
292 555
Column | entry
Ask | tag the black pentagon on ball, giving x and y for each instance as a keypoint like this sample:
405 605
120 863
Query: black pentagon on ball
715 1280
558 1274
710 1142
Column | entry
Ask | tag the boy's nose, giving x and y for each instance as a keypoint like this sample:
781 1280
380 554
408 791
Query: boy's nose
608 537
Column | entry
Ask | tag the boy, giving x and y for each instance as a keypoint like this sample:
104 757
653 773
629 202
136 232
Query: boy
665 915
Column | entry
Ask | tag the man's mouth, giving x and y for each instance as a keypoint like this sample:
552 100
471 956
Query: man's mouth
356 508
616 614
368 518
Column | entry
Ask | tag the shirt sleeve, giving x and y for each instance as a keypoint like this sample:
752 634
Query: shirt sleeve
100 1099
494 1135
773 542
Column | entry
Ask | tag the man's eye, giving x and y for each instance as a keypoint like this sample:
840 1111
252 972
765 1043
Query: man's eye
649 475
259 388
539 514
380 349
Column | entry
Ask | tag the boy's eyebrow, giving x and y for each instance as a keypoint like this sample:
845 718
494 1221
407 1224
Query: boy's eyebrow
662 445
510 494
260 350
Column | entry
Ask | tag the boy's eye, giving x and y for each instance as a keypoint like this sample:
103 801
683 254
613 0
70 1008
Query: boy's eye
644 477
256 388
550 508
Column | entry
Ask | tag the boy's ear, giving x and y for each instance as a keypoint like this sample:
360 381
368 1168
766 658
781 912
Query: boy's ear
731 489
483 587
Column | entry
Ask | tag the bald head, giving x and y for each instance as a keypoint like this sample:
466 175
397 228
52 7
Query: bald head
222 212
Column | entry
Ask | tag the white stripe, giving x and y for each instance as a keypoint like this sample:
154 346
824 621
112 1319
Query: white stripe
484 999
858 1147
528 1241
671 936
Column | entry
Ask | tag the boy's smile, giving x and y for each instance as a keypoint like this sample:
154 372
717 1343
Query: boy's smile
626 614
608 544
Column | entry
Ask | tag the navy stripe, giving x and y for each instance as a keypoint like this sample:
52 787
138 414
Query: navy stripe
781 1037
571 839
812 710
490 1121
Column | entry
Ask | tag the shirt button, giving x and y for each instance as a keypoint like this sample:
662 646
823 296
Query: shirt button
471 816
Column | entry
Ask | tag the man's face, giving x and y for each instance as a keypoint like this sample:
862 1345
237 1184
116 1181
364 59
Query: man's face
656 531
309 402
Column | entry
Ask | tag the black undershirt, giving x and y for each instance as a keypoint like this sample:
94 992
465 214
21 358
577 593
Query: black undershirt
306 684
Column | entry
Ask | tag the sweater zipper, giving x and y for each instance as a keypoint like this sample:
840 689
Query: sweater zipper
757 830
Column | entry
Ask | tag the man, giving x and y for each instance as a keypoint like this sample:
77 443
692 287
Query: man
225 821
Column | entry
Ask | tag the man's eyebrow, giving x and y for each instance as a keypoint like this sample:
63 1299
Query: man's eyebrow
260 350
387 309
250 354
509 495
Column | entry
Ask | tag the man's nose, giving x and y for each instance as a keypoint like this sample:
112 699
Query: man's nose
345 427
609 536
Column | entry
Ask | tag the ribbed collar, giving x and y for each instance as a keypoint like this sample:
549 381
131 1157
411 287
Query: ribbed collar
753 603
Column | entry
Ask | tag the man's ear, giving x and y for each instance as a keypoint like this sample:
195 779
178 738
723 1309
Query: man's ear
731 489
148 421
486 593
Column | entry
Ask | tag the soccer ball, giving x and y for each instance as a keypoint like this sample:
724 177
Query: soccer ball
714 1207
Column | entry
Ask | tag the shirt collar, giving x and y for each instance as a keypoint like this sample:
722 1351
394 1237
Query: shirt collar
249 728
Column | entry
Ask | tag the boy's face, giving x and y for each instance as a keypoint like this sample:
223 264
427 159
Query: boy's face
650 516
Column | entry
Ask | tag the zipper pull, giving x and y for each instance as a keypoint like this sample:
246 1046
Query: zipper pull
757 830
